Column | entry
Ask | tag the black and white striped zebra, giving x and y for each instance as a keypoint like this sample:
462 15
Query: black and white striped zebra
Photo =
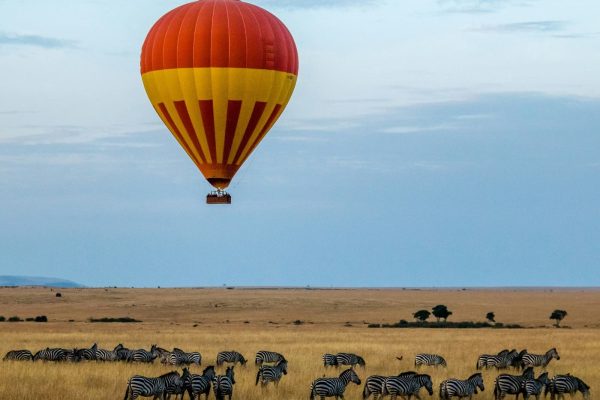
329 360
176 385
511 384
540 360
429 360
349 359
18 355
501 361
459 388
333 387
180 357
407 386
269 373
374 385
123 353
72 355
106 355
200 384
561 384
87 354
265 356
145 356
143 386
223 384
48 354
517 361
482 359
533 387
231 357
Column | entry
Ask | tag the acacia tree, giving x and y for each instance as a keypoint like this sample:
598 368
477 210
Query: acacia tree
491 317
422 315
441 312
558 315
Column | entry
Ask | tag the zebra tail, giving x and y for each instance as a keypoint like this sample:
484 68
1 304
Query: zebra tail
366 393
258 376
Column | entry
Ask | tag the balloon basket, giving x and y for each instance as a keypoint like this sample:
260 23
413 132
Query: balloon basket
218 197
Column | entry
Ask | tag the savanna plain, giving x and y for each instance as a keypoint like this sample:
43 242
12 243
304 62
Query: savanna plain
300 323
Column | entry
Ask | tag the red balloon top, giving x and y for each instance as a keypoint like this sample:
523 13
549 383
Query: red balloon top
219 33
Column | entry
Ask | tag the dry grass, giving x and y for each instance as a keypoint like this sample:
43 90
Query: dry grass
302 345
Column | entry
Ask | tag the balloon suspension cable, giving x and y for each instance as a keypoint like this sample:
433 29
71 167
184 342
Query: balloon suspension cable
218 196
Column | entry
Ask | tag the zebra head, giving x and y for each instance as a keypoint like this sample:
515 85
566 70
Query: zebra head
543 378
119 347
230 374
350 375
209 372
505 352
282 365
583 388
154 351
425 381
477 381
361 361
552 353
242 360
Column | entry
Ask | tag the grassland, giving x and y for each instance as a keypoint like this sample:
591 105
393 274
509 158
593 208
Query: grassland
250 320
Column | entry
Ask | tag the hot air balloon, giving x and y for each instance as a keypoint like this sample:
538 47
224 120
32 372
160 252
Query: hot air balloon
219 73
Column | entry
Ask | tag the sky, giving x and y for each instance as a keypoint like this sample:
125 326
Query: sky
428 143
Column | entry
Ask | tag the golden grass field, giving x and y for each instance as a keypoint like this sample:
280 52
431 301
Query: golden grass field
262 319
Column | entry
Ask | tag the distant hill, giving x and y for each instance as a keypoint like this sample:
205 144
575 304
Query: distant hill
13 280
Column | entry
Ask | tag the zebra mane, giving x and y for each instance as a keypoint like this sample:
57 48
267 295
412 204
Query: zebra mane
169 374
474 375
407 373
346 372
210 367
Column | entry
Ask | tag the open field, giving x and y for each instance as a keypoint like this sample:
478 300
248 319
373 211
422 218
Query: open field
169 316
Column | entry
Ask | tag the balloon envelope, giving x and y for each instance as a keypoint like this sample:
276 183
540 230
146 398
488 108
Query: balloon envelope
219 73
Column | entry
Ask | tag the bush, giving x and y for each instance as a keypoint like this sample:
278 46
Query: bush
41 318
119 319
2 319
15 319
59 294
456 325
29 319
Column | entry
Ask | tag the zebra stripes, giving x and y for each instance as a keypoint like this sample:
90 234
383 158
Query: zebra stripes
533 387
349 359
265 356
429 360
18 355
145 356
48 354
561 384
87 354
267 373
540 360
200 384
407 386
142 386
457 388
333 387
511 384
482 359
329 360
374 385
180 357
223 384
232 357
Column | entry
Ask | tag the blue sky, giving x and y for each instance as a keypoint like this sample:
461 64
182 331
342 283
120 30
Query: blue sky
428 143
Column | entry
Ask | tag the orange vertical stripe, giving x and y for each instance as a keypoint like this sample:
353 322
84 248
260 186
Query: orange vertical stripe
233 114
173 128
189 126
208 120
257 112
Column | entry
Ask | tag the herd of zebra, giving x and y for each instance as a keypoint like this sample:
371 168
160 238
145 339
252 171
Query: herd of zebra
272 366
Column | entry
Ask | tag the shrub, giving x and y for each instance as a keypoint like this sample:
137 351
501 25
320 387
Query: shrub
41 318
59 294
2 319
119 319
14 319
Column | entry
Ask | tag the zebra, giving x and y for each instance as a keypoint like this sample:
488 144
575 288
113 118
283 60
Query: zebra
268 373
511 384
482 359
145 356
501 361
49 354
533 387
329 360
265 356
123 353
177 384
223 384
561 384
349 359
180 357
200 384
429 360
374 384
517 361
406 386
457 388
333 387
18 355
232 357
142 386
106 355
87 354
537 360
73 355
